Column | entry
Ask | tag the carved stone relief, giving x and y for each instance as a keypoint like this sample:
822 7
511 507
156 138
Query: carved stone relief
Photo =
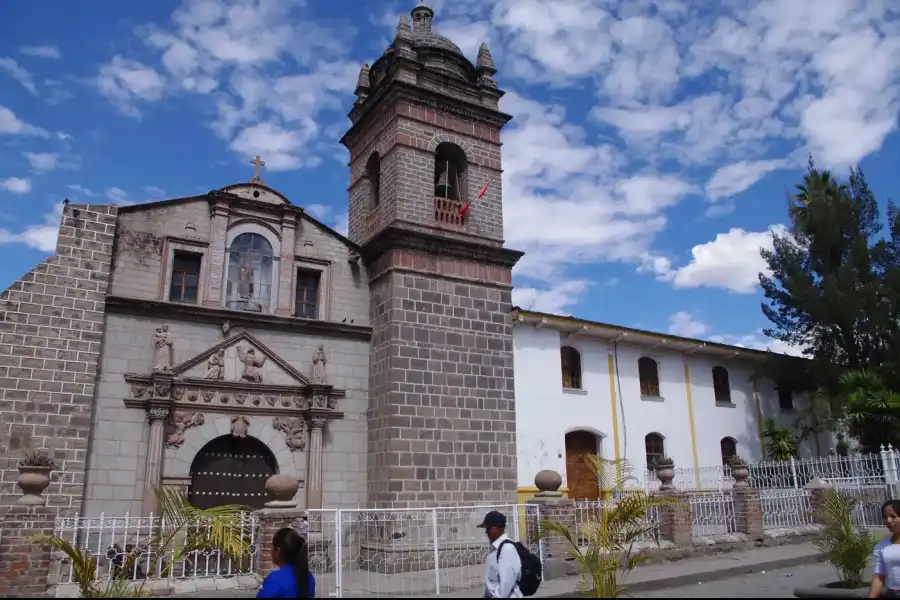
162 342
294 430
181 421
162 389
252 364
240 424
215 366
319 360
157 414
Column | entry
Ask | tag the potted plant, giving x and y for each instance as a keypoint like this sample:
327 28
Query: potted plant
665 472
34 476
603 547
740 471
846 547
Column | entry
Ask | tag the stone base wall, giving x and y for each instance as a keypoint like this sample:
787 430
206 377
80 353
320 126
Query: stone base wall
385 560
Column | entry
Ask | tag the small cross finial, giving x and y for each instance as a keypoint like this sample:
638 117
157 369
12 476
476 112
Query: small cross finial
257 163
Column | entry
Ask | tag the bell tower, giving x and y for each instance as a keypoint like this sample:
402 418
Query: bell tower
426 208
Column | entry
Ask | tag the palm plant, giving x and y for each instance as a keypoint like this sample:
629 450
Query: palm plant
177 538
781 443
603 548
871 410
846 547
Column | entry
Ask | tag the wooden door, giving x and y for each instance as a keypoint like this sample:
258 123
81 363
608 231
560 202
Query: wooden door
581 481
231 470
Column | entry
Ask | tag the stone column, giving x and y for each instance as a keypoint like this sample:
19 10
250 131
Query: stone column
555 550
748 512
818 491
158 417
24 565
286 264
215 269
280 512
315 460
675 522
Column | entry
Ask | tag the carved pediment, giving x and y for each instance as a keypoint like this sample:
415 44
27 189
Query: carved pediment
241 358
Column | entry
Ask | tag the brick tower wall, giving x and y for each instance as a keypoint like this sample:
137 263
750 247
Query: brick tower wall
406 137
51 328
442 405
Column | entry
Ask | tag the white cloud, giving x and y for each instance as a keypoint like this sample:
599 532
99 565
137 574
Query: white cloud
337 220
41 236
732 261
126 83
737 177
47 51
684 324
118 196
15 185
154 193
757 341
42 161
81 191
11 124
25 79
553 300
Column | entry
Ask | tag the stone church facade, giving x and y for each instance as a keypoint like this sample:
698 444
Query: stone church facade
209 342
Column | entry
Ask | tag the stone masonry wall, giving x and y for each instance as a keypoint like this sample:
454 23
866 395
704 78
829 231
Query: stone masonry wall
442 412
51 327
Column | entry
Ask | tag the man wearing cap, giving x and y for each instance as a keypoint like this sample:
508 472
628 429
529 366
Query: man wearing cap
501 572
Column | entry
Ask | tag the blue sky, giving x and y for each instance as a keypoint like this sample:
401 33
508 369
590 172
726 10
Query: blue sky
652 145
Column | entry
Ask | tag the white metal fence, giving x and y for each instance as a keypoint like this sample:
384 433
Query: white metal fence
124 547
880 468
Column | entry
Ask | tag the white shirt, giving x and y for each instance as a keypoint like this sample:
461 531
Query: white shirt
501 578
887 563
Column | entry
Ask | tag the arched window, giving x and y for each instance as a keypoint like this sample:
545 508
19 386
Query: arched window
729 449
571 367
450 172
250 269
373 172
654 448
721 387
648 373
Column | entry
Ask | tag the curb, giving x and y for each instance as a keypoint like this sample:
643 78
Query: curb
708 576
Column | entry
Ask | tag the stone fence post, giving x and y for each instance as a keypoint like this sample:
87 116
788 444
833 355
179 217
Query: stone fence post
748 512
675 520
24 565
548 504
818 492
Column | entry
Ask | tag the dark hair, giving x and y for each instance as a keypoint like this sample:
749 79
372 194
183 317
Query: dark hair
895 504
294 552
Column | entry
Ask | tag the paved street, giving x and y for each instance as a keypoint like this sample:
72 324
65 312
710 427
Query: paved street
779 583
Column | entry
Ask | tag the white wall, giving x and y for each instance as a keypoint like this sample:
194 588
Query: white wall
545 412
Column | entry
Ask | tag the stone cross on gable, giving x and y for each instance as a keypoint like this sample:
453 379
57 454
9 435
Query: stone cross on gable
257 163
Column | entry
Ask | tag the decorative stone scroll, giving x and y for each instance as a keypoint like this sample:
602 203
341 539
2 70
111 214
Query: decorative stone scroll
294 430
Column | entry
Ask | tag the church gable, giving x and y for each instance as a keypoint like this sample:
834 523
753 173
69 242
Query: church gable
257 192
241 358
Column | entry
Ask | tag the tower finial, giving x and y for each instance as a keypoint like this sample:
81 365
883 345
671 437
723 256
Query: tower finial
485 62
422 16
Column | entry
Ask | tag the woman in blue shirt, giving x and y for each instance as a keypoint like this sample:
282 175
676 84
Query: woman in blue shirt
292 579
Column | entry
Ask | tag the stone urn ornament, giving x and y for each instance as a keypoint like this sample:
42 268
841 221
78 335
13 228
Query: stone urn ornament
740 471
665 472
282 488
34 477
548 483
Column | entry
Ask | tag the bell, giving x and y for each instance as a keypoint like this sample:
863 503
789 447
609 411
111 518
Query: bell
442 187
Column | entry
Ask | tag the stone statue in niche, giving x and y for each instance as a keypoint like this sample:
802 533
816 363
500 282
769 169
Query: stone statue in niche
252 364
240 424
294 431
319 361
215 366
181 421
162 358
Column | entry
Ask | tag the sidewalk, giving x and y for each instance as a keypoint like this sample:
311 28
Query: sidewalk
645 578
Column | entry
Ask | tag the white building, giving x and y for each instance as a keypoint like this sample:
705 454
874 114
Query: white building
583 386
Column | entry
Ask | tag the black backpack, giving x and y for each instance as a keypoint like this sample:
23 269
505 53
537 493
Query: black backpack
532 571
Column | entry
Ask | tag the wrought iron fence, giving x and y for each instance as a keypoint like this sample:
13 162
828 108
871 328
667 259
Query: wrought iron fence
712 513
124 547
786 508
